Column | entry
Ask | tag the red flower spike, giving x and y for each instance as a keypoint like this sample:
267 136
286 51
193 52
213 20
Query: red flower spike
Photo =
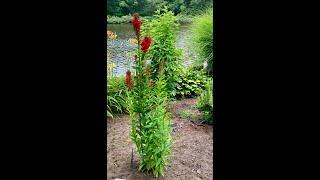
136 23
146 44
128 81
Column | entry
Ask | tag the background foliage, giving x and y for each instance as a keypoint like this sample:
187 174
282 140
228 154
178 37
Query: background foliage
148 7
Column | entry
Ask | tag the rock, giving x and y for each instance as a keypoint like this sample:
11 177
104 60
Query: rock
174 125
198 171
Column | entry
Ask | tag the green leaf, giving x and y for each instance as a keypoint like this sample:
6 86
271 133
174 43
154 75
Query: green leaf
109 114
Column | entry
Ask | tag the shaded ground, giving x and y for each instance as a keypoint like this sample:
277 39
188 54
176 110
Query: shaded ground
193 146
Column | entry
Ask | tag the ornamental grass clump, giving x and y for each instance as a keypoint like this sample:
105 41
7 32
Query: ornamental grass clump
147 100
202 38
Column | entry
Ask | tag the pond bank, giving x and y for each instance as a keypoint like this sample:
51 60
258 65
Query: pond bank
182 19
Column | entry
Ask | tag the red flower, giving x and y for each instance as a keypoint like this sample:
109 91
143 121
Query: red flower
136 23
146 44
128 81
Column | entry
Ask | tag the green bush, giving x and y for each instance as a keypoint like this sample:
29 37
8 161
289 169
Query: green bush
163 29
190 83
116 96
205 103
202 38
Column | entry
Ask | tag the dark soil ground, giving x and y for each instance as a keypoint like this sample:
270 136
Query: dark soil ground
193 147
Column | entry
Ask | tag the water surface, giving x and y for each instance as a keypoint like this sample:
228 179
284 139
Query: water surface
122 51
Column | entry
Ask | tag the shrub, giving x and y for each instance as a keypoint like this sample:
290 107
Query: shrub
163 53
202 38
205 103
190 83
147 101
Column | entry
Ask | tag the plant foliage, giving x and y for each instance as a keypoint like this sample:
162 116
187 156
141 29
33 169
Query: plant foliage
116 96
202 39
205 103
163 52
190 83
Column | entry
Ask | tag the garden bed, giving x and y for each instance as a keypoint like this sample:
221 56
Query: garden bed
193 146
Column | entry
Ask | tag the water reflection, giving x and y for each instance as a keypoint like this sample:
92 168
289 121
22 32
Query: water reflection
121 51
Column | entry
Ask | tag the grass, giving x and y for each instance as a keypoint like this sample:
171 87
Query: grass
202 38
187 114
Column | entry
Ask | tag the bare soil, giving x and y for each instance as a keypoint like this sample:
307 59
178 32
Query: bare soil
193 147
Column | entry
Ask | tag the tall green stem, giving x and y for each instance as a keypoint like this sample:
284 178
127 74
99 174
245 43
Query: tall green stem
139 75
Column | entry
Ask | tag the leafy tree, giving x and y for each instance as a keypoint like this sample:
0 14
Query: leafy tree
133 6
148 7
113 8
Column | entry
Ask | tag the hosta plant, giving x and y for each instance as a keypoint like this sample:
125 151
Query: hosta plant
190 83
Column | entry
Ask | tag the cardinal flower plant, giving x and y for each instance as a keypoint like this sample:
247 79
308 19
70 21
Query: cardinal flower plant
147 101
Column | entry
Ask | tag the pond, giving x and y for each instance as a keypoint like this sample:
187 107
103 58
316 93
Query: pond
121 51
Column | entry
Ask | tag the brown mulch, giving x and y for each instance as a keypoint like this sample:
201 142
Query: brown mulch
193 148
